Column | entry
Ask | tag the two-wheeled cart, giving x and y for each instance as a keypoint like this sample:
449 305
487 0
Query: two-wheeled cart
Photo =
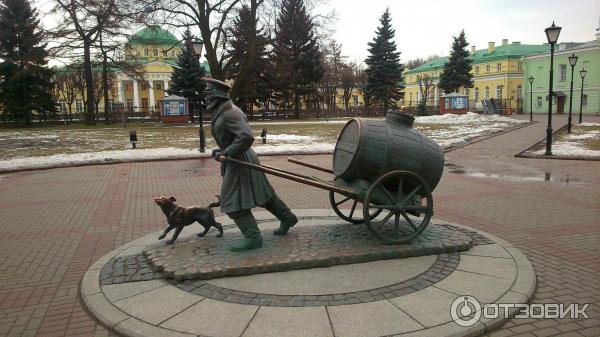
384 170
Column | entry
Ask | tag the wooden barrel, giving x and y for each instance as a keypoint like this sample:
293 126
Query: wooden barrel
368 148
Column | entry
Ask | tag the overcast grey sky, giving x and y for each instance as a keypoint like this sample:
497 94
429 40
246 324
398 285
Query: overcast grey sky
425 27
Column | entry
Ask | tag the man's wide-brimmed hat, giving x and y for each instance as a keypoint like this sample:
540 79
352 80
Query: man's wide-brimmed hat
217 88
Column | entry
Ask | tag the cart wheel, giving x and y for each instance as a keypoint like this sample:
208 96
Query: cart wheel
401 195
351 215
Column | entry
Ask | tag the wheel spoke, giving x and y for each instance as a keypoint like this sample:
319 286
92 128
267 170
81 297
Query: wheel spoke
385 220
397 224
388 194
408 219
410 195
353 208
341 202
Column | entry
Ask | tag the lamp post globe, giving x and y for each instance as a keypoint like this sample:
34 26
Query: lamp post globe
197 45
531 78
552 34
583 72
572 61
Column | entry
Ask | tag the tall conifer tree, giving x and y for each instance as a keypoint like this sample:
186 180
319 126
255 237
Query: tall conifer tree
296 54
384 70
187 78
245 27
457 71
26 81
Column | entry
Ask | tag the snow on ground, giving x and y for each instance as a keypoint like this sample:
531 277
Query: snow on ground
570 149
448 130
469 117
571 145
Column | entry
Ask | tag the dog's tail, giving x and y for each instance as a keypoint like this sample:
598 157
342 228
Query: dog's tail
215 204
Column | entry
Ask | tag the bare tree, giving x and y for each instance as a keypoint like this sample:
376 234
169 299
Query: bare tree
360 76
348 83
425 83
333 62
80 25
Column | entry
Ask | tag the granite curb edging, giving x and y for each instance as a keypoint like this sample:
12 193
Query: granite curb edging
115 319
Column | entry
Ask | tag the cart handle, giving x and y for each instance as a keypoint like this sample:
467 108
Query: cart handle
299 178
312 166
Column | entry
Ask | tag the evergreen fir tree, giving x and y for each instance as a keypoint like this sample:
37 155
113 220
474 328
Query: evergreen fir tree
254 83
26 81
296 54
457 71
384 70
187 78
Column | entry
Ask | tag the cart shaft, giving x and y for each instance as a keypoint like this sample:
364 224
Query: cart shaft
295 177
312 166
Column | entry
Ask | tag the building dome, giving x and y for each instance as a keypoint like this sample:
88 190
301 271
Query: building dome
153 35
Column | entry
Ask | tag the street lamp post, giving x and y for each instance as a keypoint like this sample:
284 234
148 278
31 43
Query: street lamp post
572 62
531 78
583 72
197 44
552 33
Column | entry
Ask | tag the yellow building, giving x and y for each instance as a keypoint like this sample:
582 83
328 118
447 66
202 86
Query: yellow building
497 73
155 51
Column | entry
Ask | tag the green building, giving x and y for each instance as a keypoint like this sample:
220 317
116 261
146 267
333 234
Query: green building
538 66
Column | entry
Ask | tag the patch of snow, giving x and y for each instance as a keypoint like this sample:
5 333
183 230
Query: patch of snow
300 122
570 149
588 135
289 138
294 148
469 117
589 124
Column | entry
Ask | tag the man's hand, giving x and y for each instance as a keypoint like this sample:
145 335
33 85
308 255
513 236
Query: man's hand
218 155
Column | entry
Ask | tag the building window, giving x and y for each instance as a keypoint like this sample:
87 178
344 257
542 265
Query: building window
487 68
144 86
487 92
155 52
539 101
63 106
563 72
499 67
79 105
520 66
164 53
498 92
111 104
467 92
128 86
158 86
476 94
355 99
129 103
146 52
144 102
519 92
584 101
477 70
410 99
172 53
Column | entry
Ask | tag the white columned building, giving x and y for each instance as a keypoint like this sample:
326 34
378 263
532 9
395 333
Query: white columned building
151 94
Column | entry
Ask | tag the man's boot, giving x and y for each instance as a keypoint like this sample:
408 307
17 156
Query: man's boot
283 213
245 221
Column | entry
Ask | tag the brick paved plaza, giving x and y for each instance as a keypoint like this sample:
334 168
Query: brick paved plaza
56 223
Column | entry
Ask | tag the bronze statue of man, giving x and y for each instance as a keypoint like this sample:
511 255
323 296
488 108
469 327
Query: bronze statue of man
242 188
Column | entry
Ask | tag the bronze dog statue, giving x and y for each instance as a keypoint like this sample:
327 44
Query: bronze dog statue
179 217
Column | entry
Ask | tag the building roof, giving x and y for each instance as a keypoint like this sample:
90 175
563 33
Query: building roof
154 35
513 50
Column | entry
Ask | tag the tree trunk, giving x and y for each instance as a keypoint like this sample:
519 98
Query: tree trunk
89 82
105 84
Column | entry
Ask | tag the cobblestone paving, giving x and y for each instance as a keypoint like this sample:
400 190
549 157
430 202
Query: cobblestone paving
304 247
136 267
56 223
